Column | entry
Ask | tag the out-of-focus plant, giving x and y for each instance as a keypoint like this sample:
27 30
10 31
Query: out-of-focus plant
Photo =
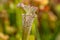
54 5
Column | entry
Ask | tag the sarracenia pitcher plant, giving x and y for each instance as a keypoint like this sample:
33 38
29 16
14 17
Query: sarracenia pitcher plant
27 19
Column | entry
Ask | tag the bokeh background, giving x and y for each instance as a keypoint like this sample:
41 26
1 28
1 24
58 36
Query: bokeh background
46 25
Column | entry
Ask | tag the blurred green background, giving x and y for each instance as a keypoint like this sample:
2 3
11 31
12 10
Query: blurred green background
46 25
